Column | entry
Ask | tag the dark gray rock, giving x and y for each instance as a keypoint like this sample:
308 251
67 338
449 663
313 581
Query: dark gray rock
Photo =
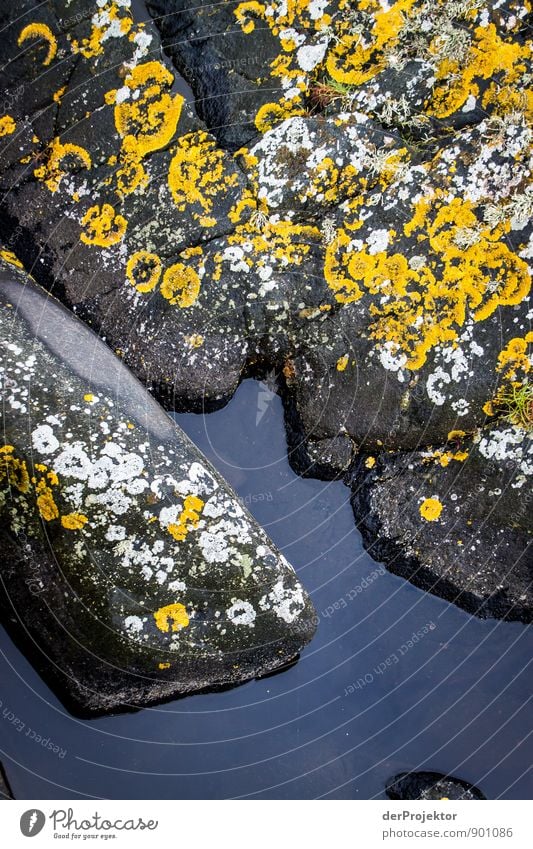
462 529
367 246
431 787
130 572
5 790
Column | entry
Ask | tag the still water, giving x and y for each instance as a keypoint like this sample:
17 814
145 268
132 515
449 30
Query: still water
365 701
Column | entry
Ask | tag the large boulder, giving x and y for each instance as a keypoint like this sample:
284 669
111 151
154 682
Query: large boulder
355 213
130 572
455 520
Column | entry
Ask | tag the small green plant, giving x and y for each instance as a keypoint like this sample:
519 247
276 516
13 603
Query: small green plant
515 404
326 91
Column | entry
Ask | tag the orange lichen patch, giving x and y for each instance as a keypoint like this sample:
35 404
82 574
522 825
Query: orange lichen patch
284 21
474 271
57 95
112 18
336 269
430 509
143 271
47 507
181 282
370 462
173 617
13 471
514 397
246 13
11 258
276 243
188 519
247 201
488 54
89 397
353 60
445 457
131 175
164 666
7 125
455 434
342 362
271 114
74 521
103 227
503 99
52 172
151 119
146 121
196 340
516 357
42 32
197 175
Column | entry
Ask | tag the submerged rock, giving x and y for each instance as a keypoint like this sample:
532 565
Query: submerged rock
431 786
130 572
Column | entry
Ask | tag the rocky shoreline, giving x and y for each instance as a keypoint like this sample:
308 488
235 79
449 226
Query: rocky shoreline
348 205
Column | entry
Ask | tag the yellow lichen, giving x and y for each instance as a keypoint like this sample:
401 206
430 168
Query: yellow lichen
430 509
414 310
342 362
11 258
197 176
103 227
12 470
42 32
370 462
196 340
188 518
173 618
152 117
74 521
52 172
46 504
103 25
181 282
57 95
143 271
7 125
146 121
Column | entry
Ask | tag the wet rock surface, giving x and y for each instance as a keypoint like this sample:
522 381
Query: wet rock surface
461 527
5 790
354 214
431 786
130 571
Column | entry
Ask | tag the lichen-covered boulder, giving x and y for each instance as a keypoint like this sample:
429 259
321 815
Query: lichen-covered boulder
431 787
129 569
356 216
456 520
